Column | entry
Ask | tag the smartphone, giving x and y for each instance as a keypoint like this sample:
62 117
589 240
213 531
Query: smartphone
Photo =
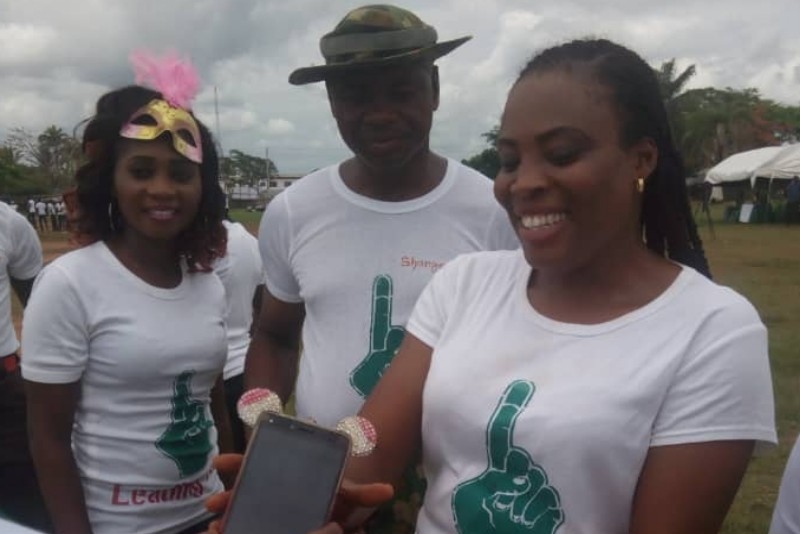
289 478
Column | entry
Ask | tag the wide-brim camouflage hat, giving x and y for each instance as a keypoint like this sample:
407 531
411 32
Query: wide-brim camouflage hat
373 36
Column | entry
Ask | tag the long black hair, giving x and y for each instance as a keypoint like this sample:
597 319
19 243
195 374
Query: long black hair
666 218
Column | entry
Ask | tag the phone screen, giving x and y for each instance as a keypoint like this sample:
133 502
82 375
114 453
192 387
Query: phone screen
289 478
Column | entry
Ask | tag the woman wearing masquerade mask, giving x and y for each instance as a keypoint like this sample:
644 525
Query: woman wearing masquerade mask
594 381
124 338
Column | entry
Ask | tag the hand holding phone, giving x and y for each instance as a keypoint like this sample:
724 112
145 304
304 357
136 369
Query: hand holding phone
351 495
289 478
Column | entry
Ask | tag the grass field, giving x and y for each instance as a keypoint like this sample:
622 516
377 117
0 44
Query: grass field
763 263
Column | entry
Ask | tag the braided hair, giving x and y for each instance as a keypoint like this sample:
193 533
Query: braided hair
668 227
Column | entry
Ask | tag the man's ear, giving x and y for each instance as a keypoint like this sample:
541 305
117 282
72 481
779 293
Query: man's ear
330 100
435 85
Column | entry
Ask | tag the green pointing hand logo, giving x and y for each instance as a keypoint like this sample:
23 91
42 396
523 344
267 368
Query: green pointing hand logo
187 440
384 341
512 495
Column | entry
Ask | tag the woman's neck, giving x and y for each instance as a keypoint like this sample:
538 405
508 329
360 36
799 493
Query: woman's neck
413 179
155 262
610 285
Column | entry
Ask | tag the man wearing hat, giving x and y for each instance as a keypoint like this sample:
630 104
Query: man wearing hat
348 248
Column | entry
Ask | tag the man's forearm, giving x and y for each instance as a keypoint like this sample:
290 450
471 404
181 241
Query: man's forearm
271 365
221 419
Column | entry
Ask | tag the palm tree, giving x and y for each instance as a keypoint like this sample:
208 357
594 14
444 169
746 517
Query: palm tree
57 155
671 86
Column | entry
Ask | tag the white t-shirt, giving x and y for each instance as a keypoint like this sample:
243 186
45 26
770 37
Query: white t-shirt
359 265
530 421
21 259
146 358
41 208
241 272
786 516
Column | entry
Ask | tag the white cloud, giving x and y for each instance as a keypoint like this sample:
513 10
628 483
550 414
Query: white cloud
58 56
22 43
279 126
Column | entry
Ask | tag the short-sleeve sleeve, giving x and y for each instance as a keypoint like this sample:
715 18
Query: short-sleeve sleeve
274 243
255 258
722 391
25 259
432 309
55 331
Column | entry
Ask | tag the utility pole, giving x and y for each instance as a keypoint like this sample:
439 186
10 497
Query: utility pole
226 182
266 153
216 119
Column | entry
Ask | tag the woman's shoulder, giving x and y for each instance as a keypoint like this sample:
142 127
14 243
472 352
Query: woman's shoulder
78 255
716 301
478 271
79 263
487 261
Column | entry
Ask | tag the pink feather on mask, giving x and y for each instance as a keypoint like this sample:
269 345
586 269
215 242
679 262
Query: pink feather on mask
172 76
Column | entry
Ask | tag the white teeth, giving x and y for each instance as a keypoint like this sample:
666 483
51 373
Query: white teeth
161 214
538 221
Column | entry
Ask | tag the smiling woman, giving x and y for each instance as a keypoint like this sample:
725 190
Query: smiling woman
577 385
124 338
96 210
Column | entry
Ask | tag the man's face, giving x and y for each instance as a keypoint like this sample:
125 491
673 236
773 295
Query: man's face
384 114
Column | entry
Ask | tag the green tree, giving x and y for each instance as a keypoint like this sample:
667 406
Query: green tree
53 154
717 123
671 85
17 179
785 121
487 161
58 154
22 146
11 176
244 169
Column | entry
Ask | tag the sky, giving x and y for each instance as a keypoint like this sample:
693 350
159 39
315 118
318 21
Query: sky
58 56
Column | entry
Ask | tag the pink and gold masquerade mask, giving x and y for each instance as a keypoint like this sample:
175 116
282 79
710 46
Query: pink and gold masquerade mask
178 82
157 117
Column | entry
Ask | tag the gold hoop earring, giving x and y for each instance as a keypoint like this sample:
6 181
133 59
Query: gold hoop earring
640 185
112 216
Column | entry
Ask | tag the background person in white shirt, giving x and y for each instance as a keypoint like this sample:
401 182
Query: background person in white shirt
124 338
61 214
20 262
41 215
242 276
32 212
51 215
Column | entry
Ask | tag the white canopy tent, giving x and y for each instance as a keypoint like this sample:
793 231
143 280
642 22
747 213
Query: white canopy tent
782 166
742 165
